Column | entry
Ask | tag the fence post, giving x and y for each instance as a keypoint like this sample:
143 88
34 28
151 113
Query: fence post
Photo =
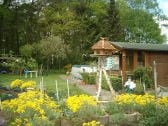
155 78
56 89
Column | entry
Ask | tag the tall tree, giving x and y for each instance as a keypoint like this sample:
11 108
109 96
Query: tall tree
114 28
137 18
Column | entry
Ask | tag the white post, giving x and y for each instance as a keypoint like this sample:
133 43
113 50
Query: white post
31 74
144 87
42 86
56 89
99 77
68 87
36 73
155 77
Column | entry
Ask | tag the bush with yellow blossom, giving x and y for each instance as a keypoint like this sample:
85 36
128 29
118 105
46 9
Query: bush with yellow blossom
16 83
139 99
134 99
74 103
22 84
29 106
92 123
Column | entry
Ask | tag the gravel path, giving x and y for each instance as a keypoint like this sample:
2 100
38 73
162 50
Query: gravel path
90 89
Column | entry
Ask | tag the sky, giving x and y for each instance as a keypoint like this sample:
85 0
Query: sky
163 4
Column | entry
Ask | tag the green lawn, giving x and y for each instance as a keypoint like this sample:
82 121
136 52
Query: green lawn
49 84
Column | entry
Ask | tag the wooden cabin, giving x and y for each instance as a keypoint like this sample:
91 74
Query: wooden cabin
134 55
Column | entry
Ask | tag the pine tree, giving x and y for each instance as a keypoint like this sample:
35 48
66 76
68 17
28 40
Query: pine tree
114 29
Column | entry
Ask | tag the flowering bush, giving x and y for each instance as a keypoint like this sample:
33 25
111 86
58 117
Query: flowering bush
21 84
16 83
134 99
139 99
92 123
31 105
75 102
28 84
163 101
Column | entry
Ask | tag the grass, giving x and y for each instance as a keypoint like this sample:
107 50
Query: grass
49 84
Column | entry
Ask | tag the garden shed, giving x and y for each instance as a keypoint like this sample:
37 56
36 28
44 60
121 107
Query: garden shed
134 55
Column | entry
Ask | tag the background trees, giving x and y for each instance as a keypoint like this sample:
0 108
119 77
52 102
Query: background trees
77 24
139 21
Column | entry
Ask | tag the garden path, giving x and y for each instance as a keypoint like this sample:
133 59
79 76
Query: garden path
90 89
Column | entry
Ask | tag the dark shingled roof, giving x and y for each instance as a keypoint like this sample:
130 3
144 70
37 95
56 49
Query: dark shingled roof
141 46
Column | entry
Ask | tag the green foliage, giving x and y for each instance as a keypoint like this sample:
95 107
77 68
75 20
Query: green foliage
31 64
92 78
116 83
87 113
77 24
26 50
115 31
144 75
5 96
89 78
113 108
17 66
104 84
154 116
136 28
139 88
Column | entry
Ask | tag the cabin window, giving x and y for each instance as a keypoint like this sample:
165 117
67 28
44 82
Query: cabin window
129 61
141 58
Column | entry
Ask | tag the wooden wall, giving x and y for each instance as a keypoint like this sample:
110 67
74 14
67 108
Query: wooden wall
161 59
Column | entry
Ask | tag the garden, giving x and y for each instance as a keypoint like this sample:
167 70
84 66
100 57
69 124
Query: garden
30 106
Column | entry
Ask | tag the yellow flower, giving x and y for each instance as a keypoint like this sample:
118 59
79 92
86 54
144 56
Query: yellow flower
75 102
30 101
163 101
28 84
92 123
134 99
16 83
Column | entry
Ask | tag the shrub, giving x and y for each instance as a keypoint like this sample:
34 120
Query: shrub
20 84
85 77
31 105
139 88
154 115
92 78
116 83
89 78
144 74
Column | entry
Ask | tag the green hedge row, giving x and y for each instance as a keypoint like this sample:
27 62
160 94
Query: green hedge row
90 78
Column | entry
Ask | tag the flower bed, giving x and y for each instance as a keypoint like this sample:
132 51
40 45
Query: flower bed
33 108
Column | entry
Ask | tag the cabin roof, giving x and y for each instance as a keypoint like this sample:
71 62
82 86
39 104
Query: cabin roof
140 46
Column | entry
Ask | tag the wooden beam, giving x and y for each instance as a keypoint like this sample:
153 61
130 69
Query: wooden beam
109 83
123 67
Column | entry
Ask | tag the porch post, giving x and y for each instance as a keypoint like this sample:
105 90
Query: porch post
124 65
